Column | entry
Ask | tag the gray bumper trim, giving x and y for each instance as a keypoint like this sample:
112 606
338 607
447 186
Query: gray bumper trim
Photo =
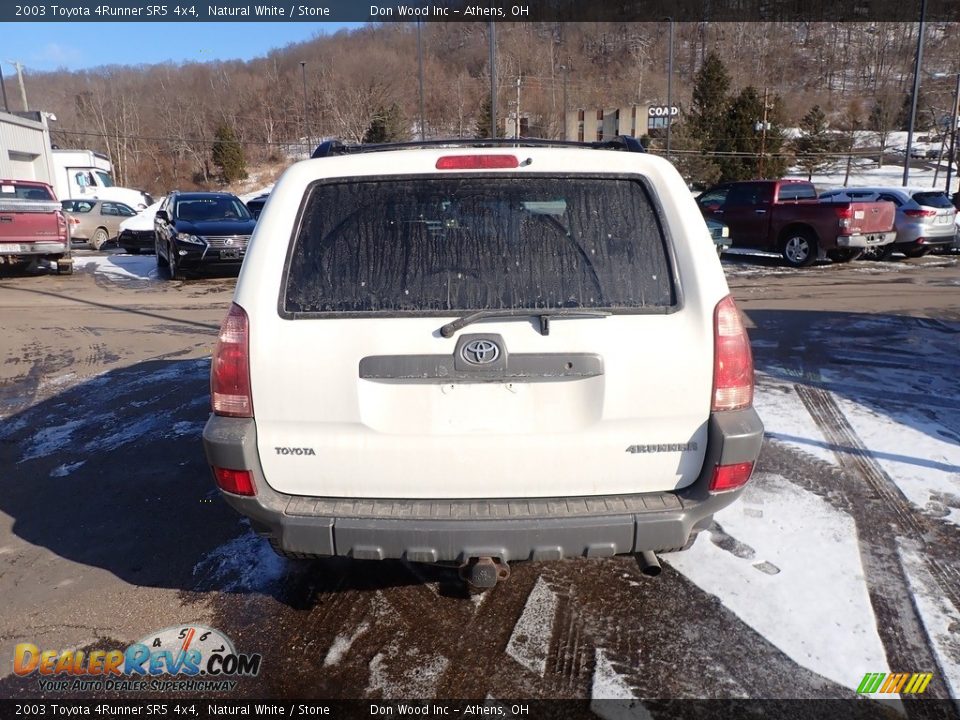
456 530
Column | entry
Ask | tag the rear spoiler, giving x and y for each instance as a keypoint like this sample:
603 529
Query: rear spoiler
29 206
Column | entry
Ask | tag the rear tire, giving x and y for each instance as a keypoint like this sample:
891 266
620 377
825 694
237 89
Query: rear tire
916 252
100 238
799 248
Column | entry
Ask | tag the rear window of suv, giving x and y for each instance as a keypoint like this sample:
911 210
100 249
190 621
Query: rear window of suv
433 245
933 199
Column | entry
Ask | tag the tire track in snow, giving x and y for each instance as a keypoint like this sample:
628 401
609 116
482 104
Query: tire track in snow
899 624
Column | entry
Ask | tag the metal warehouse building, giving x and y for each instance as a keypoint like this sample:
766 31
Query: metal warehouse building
25 147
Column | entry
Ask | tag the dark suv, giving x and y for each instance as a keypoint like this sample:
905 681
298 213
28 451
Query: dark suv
201 229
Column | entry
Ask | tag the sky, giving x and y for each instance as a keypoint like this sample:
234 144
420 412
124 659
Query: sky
80 46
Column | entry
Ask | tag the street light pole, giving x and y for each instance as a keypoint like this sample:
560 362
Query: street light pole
953 131
918 61
669 85
493 80
306 133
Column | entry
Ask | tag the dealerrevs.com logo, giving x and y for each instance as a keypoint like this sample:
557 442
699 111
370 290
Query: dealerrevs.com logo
184 657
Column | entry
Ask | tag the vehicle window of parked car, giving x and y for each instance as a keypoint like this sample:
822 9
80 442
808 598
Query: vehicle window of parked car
78 206
105 179
713 198
933 199
797 191
473 244
24 192
203 210
891 198
750 194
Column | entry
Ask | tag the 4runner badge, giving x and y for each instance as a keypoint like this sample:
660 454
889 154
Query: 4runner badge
663 447
294 451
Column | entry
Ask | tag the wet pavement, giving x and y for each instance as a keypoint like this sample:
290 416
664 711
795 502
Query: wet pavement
842 558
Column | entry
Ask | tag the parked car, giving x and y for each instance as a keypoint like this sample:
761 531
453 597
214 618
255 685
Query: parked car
720 234
785 216
194 230
924 218
33 227
255 206
136 233
480 353
96 221
932 154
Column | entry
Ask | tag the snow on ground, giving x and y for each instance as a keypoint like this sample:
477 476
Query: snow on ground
940 619
529 643
245 563
912 450
401 671
118 267
785 418
801 556
66 469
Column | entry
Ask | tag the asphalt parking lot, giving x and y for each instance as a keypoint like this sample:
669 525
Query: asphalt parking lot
842 558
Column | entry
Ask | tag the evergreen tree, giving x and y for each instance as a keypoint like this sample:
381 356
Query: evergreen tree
483 121
228 155
710 100
388 125
814 140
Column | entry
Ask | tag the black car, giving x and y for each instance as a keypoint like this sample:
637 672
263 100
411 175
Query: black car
194 230
255 206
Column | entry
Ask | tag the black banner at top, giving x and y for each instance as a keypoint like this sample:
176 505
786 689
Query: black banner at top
479 11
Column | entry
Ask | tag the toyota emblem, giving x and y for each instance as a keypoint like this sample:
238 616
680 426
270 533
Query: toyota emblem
480 352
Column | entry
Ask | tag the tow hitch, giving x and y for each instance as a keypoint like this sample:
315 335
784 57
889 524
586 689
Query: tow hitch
484 572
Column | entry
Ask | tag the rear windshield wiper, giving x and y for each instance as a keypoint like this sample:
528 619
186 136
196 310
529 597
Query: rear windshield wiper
544 314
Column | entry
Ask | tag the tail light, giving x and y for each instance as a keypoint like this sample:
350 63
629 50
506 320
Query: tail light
730 477
62 226
919 213
230 369
477 162
238 482
732 359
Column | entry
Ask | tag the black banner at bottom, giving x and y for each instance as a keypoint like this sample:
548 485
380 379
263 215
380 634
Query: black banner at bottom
854 709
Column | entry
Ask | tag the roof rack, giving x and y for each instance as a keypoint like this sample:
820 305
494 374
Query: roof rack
627 143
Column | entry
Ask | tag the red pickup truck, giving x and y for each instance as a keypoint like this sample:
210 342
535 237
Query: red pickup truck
785 216
32 226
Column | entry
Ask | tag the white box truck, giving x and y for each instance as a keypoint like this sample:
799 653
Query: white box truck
85 174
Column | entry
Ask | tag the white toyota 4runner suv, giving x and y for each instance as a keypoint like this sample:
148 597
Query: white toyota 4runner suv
478 352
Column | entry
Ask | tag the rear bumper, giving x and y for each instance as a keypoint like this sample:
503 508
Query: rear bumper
456 530
866 241
34 248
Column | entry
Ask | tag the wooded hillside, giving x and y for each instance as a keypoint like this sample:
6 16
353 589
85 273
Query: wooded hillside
158 123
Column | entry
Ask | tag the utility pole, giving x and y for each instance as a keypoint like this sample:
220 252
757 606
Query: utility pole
918 62
669 84
3 87
953 132
564 68
306 133
23 91
420 71
493 80
517 130
763 137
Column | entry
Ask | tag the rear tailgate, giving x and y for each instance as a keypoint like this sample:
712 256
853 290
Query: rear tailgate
376 403
24 219
871 217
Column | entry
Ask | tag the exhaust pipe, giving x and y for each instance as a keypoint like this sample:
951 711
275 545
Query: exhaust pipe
484 572
649 565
